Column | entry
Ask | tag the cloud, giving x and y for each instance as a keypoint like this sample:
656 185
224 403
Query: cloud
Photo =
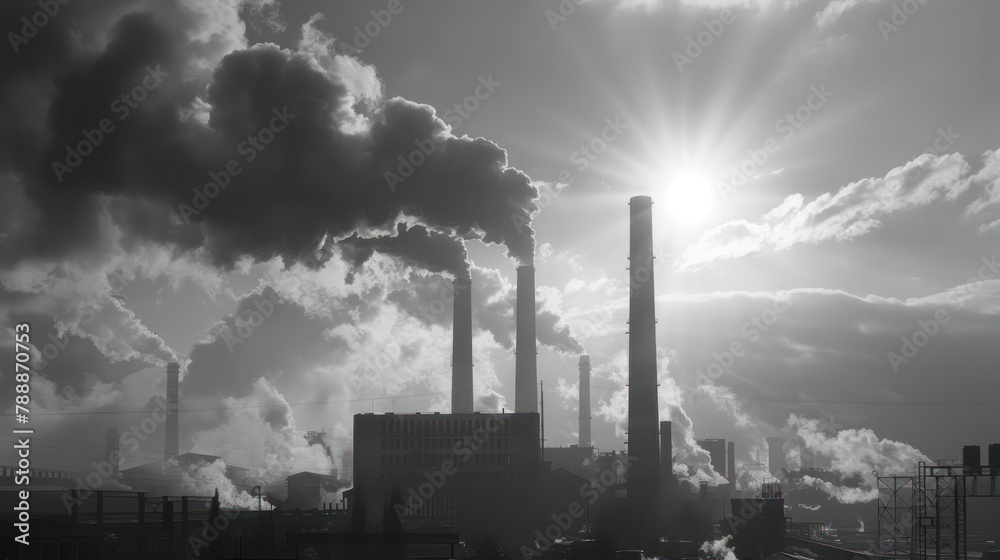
836 10
987 179
855 210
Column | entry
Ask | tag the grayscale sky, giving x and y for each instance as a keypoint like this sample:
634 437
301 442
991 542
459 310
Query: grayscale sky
825 176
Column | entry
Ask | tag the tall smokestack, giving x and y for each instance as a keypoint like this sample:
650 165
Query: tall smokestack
731 463
643 411
585 401
461 349
666 450
170 443
525 370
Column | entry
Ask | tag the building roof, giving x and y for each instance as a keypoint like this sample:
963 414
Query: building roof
787 556
307 474
183 460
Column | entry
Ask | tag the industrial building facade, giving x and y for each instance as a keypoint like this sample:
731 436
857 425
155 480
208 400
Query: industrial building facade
439 458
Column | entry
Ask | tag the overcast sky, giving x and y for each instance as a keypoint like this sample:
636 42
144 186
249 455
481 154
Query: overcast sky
825 176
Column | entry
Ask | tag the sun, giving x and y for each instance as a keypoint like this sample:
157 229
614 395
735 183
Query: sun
689 196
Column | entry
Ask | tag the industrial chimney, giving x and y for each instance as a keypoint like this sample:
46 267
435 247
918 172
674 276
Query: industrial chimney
731 464
170 443
585 401
666 450
525 370
461 350
643 411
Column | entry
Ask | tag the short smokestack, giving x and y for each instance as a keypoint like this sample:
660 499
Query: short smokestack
461 357
172 434
585 401
525 369
643 410
731 463
112 453
776 455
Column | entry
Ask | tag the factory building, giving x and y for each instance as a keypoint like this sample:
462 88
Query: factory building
458 455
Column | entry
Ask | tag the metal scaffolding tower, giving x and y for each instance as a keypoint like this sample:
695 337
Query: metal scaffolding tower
923 516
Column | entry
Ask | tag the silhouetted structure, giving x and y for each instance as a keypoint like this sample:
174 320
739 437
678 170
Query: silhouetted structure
731 463
643 410
461 360
643 447
776 455
444 464
584 405
757 524
168 476
525 367
716 448
172 433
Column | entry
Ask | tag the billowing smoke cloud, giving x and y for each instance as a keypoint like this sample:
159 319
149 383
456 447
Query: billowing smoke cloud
854 454
751 479
220 129
718 549
415 246
205 480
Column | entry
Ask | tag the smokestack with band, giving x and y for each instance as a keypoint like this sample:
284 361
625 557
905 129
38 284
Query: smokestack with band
643 410
172 432
461 357
525 370
584 401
